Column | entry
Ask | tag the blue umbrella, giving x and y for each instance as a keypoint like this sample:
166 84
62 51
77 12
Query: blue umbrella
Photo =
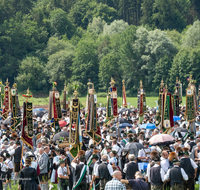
148 126
124 125
38 109
176 118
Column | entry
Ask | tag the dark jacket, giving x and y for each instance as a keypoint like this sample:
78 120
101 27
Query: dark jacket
30 173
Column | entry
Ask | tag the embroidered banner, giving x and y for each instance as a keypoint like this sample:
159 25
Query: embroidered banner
114 101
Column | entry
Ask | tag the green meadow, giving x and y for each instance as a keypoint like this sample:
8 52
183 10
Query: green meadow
101 101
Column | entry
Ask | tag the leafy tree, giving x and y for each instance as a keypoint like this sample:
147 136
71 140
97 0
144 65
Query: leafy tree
84 11
85 64
31 74
60 24
17 40
192 36
117 26
186 63
96 26
60 62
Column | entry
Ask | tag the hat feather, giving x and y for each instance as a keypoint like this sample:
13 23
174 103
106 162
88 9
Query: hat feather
172 155
81 153
153 154
95 151
178 149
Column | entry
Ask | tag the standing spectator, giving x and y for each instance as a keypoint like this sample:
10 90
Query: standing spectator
115 183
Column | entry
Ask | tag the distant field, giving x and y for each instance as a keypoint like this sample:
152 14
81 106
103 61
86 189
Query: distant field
132 101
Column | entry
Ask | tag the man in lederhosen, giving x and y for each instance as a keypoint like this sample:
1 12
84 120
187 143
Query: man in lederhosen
95 180
176 175
63 174
155 173
190 169
16 152
43 165
81 171
104 172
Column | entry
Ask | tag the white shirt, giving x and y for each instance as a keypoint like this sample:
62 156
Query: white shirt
164 164
144 153
9 163
13 151
162 173
95 168
3 167
185 176
118 149
110 169
62 171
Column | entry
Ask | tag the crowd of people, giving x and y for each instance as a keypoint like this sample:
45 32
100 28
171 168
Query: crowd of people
107 165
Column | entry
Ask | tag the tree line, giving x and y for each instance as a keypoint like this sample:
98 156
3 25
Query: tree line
42 41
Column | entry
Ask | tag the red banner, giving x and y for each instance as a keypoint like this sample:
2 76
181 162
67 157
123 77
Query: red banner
25 137
6 100
54 107
114 96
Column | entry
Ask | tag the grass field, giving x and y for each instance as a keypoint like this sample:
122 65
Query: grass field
131 101
15 187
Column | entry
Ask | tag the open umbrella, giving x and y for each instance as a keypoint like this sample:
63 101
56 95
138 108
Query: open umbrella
64 111
38 113
181 129
38 109
62 123
148 126
176 118
161 139
60 134
132 146
124 125
124 110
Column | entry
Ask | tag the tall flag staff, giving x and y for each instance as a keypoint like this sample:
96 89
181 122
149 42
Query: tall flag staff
27 127
159 111
6 100
65 98
141 102
199 98
167 112
176 98
55 113
92 124
0 95
15 108
124 102
112 110
75 136
191 104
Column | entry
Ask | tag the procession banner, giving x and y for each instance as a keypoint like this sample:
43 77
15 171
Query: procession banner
190 105
114 101
75 133
55 113
26 129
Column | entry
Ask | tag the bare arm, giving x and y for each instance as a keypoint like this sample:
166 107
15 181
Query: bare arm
124 181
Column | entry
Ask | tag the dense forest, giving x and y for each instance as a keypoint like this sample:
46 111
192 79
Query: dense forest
42 41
